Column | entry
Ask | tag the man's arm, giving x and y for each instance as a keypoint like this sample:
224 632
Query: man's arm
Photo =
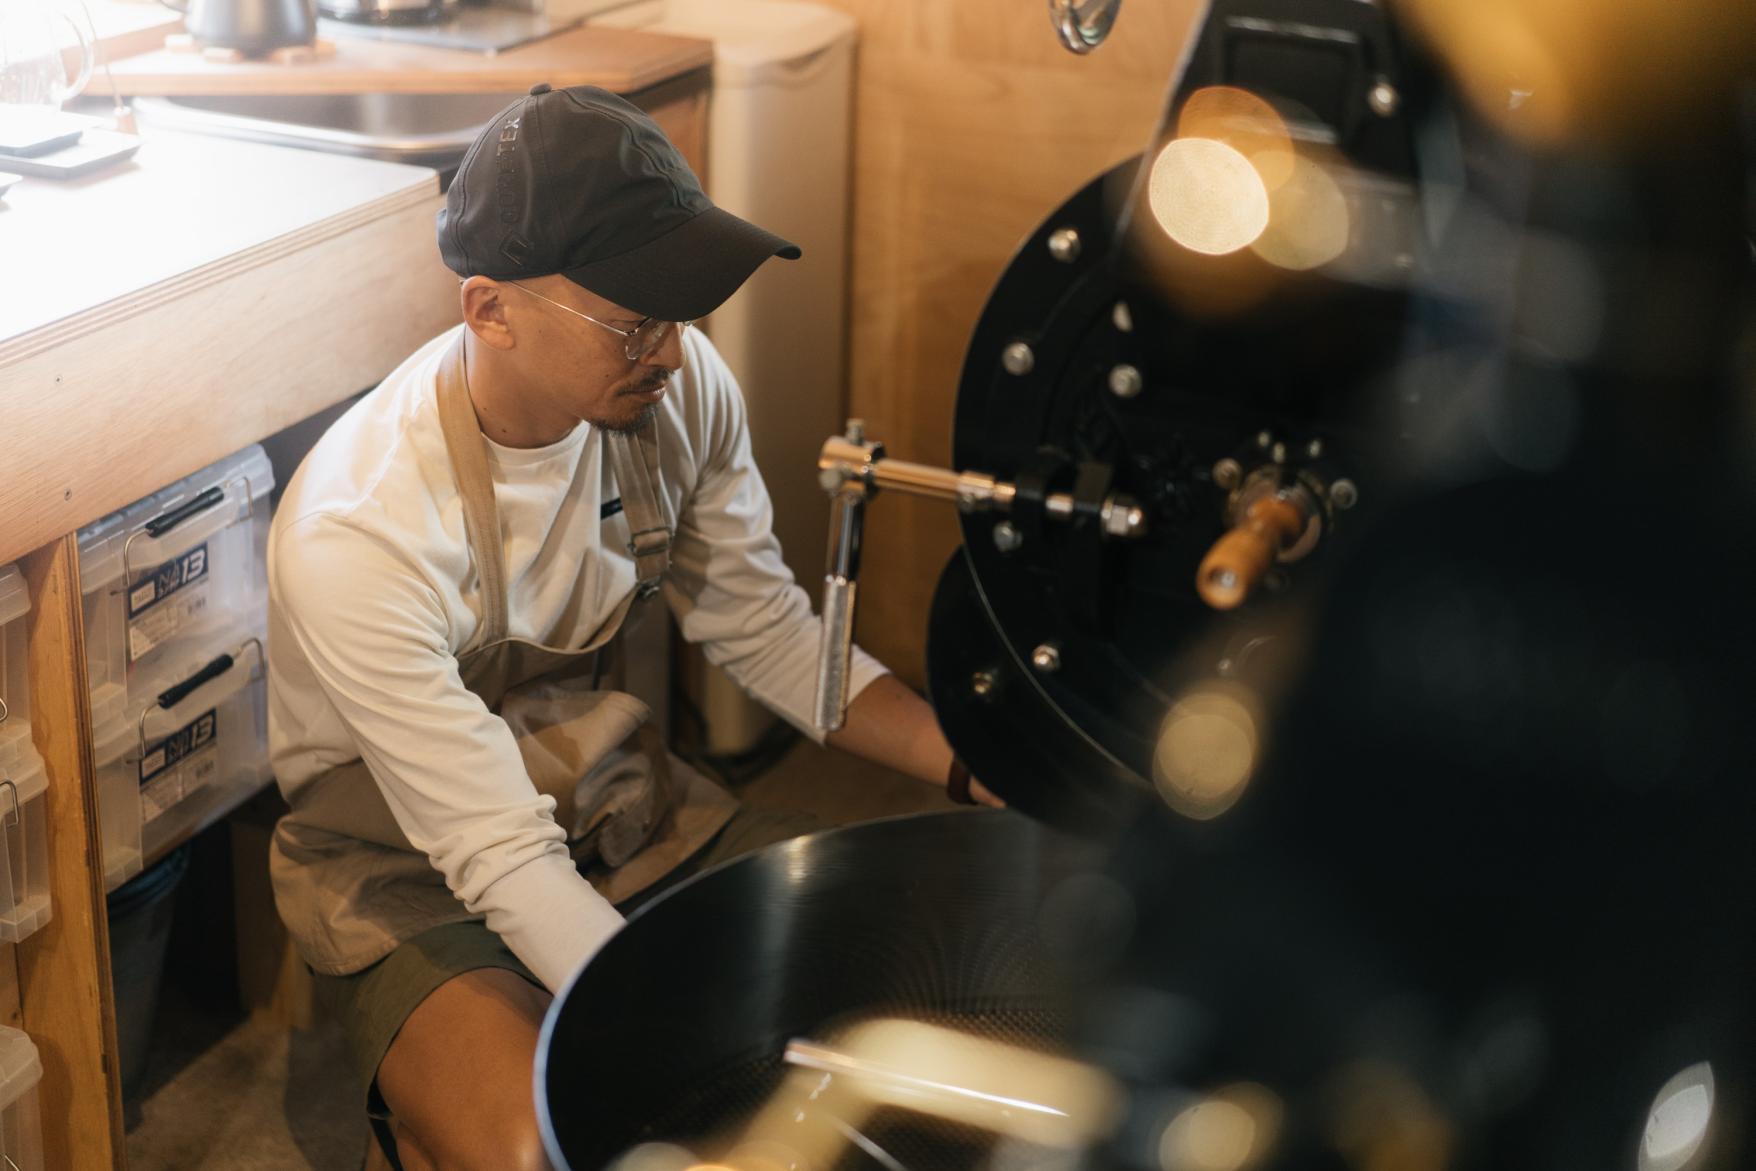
372 634
890 725
731 592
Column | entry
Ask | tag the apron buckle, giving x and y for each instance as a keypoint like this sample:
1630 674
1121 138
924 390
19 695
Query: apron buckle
651 550
648 542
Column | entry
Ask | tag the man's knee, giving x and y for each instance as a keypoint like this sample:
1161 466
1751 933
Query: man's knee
457 1079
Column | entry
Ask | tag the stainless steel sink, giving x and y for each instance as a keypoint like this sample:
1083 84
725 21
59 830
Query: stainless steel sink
429 130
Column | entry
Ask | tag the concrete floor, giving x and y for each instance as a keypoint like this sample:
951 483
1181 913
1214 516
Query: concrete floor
224 1092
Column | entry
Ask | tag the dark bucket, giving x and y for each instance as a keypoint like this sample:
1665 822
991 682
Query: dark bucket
140 914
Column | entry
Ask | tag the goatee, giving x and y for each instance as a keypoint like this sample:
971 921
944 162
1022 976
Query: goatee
630 426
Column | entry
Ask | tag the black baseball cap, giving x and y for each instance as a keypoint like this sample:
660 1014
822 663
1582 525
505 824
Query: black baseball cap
579 182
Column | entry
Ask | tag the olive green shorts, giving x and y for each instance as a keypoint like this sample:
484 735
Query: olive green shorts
371 1005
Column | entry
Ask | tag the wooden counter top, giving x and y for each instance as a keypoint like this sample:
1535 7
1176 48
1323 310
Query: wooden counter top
165 313
620 60
89 248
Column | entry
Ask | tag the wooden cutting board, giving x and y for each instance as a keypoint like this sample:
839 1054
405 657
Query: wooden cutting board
620 60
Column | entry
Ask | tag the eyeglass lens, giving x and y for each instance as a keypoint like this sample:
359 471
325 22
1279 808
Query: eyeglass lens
649 337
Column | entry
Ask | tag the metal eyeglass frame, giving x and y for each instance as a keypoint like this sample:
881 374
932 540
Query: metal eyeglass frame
638 347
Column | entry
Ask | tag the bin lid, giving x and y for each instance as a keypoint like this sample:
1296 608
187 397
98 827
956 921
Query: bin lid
756 39
14 597
100 542
29 778
244 669
20 1067
250 465
116 717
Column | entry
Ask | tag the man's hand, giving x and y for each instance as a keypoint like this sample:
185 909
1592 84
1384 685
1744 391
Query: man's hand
984 796
892 726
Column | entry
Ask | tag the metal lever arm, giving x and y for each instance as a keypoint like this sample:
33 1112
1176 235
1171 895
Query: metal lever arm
843 460
852 471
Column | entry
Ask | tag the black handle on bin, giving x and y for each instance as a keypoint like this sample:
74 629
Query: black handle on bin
164 522
172 696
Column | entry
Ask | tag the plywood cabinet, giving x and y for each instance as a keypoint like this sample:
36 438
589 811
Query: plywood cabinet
215 318
221 292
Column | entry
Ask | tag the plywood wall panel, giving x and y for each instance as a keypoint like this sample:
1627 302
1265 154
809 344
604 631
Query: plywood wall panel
971 125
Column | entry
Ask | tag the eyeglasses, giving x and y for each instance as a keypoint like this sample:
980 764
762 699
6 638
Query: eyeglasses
642 340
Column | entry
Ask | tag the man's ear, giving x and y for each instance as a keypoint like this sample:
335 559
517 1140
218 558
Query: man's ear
484 311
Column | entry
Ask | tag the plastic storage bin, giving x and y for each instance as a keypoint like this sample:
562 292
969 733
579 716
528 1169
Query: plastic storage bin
186 756
174 576
15 738
24 851
173 584
21 1134
24 877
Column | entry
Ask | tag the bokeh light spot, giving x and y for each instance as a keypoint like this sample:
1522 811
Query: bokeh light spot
1677 1127
1244 122
1207 750
1308 221
658 1157
1232 1130
1207 196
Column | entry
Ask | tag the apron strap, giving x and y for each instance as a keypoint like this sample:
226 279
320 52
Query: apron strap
475 485
635 460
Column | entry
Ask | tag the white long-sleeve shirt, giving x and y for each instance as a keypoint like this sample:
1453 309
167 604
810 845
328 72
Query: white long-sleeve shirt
372 593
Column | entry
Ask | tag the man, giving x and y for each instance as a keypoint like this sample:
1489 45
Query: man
448 571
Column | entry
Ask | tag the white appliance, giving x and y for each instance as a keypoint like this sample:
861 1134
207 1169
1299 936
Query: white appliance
778 155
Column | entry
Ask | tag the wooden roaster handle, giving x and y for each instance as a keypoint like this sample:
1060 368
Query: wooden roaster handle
1238 560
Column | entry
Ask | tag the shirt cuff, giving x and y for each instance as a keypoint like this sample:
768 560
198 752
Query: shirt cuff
862 670
550 917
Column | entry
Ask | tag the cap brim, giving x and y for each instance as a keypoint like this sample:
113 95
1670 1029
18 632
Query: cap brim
689 271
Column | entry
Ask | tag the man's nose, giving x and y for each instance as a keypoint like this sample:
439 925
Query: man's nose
668 353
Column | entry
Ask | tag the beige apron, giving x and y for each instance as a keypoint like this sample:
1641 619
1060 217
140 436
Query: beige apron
349 885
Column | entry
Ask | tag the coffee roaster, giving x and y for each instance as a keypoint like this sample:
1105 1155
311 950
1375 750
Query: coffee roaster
1355 496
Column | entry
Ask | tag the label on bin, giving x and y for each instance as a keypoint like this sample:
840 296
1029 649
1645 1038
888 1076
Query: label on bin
165 599
178 765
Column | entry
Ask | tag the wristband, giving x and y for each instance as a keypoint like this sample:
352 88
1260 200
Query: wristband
957 783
